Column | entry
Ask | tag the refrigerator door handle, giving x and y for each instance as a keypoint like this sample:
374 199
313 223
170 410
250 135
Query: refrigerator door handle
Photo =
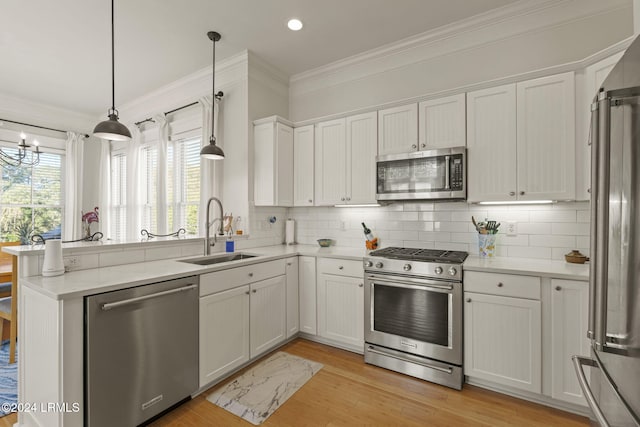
593 141
578 363
603 142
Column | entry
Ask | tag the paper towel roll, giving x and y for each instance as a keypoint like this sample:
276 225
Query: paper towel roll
289 233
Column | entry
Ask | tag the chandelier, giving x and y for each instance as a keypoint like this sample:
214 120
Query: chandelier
21 158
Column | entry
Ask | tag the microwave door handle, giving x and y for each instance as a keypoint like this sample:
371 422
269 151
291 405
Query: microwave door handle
447 172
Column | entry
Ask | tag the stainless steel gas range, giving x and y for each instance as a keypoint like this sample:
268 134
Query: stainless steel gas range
413 313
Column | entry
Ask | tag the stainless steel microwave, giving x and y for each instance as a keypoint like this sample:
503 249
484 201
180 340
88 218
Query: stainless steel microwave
433 174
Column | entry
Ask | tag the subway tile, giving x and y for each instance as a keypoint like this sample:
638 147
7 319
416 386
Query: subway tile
529 252
553 216
417 225
121 257
576 229
435 236
403 235
450 226
462 216
552 241
418 244
449 246
435 216
519 240
464 238
389 225
419 207
583 216
451 206
533 227
583 241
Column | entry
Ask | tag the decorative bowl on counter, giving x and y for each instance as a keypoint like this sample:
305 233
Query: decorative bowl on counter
576 257
325 243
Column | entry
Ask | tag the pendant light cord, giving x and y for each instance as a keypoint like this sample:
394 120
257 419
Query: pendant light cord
213 89
113 66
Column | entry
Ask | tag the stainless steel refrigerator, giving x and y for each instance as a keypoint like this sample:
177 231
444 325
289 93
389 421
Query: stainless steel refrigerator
613 389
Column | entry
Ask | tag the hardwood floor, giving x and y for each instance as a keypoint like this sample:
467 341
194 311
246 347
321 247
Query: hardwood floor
347 392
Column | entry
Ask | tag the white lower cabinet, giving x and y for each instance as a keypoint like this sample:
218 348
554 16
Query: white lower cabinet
503 340
340 302
224 332
267 314
307 289
569 317
293 322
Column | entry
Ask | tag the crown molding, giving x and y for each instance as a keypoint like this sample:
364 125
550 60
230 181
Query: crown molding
525 16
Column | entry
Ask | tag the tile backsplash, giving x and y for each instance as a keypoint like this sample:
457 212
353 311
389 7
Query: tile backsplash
542 231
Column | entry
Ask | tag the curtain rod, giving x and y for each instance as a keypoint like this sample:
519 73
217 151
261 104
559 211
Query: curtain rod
168 112
36 126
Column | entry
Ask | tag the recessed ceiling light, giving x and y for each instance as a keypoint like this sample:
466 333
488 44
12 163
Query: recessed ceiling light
294 24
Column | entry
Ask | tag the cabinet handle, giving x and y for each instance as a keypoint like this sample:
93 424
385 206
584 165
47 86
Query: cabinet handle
468 299
522 193
340 268
500 284
342 199
247 292
348 198
250 274
310 201
254 291
288 263
589 190
512 193
424 145
558 288
414 146
360 285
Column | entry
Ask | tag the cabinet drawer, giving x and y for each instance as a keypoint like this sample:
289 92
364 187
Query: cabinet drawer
340 267
226 279
509 285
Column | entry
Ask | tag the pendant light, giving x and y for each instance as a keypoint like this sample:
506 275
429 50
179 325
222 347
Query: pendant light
212 151
112 129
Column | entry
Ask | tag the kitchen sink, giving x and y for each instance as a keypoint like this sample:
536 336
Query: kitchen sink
217 259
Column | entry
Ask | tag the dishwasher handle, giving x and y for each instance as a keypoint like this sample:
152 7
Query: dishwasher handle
112 305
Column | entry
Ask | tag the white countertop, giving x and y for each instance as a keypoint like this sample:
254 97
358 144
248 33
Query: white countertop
105 279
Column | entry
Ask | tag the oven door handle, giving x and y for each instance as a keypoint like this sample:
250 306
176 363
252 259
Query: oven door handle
426 365
406 282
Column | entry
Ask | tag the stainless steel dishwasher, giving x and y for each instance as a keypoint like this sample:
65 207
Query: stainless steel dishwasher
141 351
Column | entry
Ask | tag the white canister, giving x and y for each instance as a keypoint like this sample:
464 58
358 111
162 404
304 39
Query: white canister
289 232
53 264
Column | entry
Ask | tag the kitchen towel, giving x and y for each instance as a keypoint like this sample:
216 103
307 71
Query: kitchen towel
290 233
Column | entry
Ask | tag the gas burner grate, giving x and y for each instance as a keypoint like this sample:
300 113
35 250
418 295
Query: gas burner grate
414 254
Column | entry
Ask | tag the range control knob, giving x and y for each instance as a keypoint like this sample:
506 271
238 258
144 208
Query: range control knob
407 267
378 265
438 270
452 271
368 264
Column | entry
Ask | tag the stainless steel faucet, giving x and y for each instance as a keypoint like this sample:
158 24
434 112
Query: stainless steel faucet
209 224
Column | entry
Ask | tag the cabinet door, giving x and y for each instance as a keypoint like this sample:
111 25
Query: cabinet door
491 144
362 147
292 296
303 166
546 138
307 289
268 314
224 333
330 162
341 310
398 129
442 122
273 164
502 340
569 318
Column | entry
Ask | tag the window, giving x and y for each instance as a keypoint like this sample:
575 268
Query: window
149 188
31 198
183 182
118 200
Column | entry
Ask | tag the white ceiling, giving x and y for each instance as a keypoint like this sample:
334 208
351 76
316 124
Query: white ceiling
58 52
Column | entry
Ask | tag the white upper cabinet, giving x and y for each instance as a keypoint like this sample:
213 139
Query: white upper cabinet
330 162
303 166
521 141
273 163
491 144
594 76
442 123
362 145
398 129
546 138
345 165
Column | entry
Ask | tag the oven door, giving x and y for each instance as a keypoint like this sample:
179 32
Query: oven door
414 315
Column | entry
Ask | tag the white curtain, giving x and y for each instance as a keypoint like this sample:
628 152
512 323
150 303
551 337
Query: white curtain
104 189
134 205
74 153
163 142
210 170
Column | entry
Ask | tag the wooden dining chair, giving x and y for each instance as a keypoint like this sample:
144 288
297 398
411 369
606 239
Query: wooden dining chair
9 304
